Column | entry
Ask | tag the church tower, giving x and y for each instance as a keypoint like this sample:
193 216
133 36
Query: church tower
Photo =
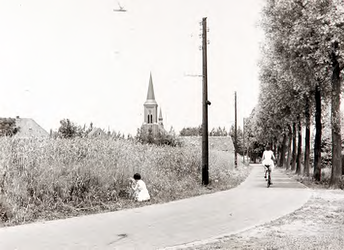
150 106
151 120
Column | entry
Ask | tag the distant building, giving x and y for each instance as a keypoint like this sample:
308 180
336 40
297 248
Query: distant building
97 133
151 122
28 128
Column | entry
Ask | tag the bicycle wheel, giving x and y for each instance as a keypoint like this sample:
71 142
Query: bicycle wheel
269 180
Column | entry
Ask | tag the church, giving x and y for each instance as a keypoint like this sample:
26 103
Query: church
151 122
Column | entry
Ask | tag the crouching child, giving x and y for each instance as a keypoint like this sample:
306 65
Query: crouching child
139 188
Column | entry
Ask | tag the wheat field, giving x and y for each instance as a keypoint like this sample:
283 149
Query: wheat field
49 179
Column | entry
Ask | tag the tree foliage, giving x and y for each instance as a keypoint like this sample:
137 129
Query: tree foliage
197 131
302 56
218 132
70 130
161 138
8 127
240 148
191 131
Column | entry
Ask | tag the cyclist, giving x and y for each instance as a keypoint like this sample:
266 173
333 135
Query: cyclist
268 160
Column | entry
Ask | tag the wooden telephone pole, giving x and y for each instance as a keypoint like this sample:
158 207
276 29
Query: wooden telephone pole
205 103
235 132
243 140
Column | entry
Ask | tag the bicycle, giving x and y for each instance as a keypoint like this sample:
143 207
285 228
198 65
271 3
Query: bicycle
268 175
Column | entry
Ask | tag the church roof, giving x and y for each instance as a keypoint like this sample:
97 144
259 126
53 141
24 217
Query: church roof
150 93
96 132
29 128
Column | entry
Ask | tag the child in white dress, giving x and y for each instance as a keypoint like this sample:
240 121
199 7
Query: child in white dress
140 189
268 159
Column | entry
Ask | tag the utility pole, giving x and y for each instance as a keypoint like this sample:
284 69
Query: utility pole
205 103
243 140
235 132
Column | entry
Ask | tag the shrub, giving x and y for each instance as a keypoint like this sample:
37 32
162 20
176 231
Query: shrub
8 127
162 137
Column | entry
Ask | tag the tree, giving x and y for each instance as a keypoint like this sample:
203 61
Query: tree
282 159
317 140
218 132
253 143
240 142
290 140
307 138
191 131
299 149
161 138
337 67
8 127
70 130
67 129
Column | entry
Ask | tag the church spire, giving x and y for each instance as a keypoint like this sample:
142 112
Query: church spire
150 106
150 94
160 118
152 122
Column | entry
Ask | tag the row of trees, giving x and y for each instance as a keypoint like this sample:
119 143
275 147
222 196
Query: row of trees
300 74
161 138
241 145
70 130
197 131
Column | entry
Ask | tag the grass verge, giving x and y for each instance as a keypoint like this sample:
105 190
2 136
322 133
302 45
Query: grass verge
310 182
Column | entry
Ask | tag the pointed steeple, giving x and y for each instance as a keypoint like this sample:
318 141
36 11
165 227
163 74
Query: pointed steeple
150 105
160 118
150 93
160 115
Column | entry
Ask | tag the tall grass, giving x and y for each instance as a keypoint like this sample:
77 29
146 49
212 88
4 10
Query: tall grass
47 179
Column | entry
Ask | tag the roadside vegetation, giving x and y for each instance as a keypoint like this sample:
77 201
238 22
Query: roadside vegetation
59 178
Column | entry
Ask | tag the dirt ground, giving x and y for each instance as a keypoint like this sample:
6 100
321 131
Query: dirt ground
319 224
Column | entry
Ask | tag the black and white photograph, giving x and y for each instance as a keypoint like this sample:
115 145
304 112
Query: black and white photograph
170 124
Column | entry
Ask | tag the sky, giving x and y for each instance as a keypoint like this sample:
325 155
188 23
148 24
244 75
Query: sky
79 59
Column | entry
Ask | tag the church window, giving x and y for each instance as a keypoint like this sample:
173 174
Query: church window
150 117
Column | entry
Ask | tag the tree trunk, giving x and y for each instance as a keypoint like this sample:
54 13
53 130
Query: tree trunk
290 139
299 149
307 138
274 149
293 160
342 165
335 121
278 157
283 150
318 132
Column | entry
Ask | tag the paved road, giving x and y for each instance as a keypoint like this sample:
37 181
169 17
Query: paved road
166 225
